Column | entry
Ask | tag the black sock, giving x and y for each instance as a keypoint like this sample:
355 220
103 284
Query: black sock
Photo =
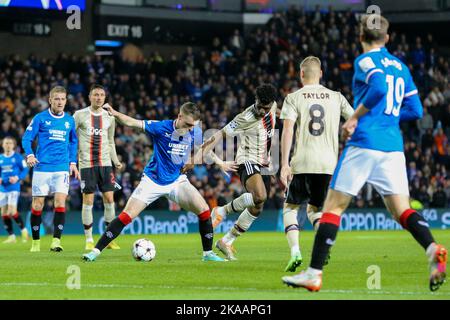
418 227
325 238
58 222
206 233
19 221
8 224
114 229
35 222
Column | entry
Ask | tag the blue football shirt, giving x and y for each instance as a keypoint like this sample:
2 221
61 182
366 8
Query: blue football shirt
171 150
57 141
383 84
10 166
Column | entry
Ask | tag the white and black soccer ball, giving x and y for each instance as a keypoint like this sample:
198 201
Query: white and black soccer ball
144 250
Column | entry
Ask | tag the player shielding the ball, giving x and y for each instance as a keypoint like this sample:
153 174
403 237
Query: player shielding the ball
173 142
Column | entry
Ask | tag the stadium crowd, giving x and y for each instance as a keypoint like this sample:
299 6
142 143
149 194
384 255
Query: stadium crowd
222 79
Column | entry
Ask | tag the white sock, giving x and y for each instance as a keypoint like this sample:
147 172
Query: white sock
239 204
230 236
430 250
314 271
205 253
292 239
96 251
295 250
244 222
110 212
87 219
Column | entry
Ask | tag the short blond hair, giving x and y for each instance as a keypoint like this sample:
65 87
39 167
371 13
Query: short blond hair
371 34
57 89
311 67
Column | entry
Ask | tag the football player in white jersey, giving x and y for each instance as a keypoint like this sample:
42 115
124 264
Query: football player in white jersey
317 111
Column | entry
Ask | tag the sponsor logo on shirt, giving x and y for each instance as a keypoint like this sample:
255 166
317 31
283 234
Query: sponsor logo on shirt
388 62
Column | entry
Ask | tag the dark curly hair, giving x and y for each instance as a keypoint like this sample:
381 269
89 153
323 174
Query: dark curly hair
266 93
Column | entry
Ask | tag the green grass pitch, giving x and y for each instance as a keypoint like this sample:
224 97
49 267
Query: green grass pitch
178 272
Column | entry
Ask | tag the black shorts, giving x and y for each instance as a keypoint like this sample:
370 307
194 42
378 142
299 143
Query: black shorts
101 176
247 169
308 186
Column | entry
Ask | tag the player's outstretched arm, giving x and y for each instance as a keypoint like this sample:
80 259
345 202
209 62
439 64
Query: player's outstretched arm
206 151
123 119
208 145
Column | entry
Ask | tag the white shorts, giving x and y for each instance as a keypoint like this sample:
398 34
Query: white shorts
9 198
47 183
386 171
148 191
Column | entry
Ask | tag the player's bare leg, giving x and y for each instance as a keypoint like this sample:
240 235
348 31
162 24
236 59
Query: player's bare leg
59 220
132 209
412 221
109 214
37 205
14 214
255 185
311 279
8 225
190 199
88 219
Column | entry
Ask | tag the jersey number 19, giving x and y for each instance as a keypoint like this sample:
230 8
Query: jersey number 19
395 94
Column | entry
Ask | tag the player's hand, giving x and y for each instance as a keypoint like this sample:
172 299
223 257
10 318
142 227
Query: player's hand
13 179
32 161
349 128
228 166
74 171
118 165
110 109
285 176
187 167
1 181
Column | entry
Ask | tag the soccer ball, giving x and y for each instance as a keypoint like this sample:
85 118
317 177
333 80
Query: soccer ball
143 250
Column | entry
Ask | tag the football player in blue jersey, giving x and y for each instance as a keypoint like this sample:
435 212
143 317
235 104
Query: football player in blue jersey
13 169
384 95
54 162
174 142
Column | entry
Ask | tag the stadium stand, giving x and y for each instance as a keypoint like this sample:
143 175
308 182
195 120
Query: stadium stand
222 79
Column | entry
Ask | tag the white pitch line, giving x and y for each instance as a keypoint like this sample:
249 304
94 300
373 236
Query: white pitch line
368 292
46 284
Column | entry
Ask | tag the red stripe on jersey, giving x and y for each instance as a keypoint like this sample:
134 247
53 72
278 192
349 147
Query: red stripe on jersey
91 144
101 137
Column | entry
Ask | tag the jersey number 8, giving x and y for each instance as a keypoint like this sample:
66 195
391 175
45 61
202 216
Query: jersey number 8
316 125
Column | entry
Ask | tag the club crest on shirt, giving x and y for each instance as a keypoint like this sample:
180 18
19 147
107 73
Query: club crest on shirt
67 125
